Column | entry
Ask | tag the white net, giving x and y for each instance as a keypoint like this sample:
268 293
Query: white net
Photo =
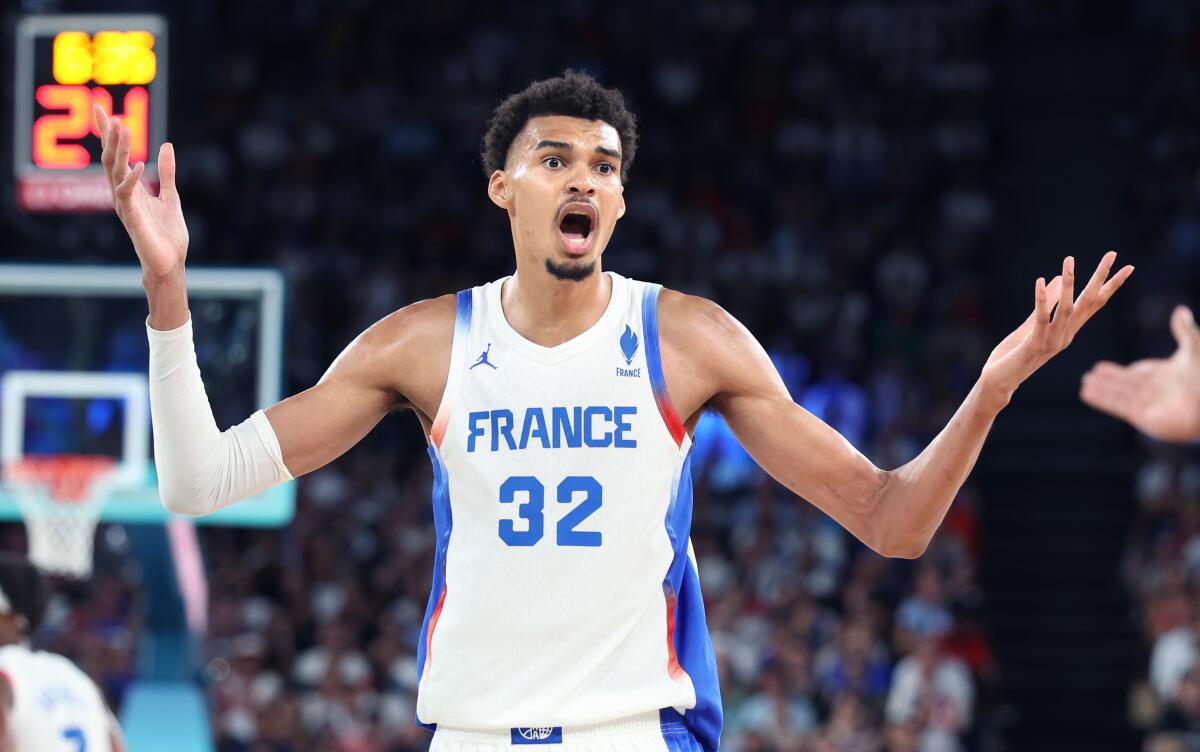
60 498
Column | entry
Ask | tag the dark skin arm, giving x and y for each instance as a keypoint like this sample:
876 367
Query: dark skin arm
711 360
400 362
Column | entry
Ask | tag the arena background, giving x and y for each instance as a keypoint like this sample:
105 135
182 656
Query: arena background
871 187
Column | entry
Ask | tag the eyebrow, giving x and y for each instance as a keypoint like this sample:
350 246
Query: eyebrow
544 144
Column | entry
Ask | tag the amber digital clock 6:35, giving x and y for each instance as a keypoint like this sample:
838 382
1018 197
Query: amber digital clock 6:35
64 65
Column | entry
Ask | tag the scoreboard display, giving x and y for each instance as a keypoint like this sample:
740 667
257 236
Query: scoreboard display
65 64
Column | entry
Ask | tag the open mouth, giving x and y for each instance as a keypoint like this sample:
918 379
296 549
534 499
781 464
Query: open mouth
576 229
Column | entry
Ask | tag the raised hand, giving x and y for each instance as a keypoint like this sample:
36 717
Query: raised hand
154 223
1158 396
1052 325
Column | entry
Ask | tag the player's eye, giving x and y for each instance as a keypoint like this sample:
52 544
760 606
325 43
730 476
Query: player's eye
605 168
556 162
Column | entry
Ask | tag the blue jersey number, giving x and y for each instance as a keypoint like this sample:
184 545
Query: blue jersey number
76 737
530 509
567 534
533 510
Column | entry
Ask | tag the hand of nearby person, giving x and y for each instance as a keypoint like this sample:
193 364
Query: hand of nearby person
1158 396
154 223
1048 330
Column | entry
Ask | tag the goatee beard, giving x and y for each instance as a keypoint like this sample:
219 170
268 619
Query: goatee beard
570 271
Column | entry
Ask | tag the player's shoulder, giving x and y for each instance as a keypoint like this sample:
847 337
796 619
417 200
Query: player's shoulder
13 657
688 308
18 659
415 322
399 345
16 652
702 323
699 336
423 328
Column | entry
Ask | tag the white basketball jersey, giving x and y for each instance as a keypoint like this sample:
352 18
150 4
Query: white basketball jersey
565 589
56 707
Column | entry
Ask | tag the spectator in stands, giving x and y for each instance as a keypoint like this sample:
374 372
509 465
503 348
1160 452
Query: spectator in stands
1183 715
934 689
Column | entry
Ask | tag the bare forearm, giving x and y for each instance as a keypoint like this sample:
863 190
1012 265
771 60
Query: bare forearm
167 296
914 499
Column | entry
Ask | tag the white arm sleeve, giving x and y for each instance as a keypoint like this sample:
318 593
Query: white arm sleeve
202 469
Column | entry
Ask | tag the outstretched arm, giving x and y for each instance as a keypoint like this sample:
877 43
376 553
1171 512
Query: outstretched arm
201 468
1158 396
894 512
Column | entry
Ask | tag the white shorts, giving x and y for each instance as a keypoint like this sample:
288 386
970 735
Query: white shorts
645 732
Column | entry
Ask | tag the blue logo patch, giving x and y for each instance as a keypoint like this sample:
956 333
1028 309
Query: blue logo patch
537 735
629 343
483 359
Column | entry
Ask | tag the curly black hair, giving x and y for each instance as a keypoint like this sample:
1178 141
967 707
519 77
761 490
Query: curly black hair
574 94
24 588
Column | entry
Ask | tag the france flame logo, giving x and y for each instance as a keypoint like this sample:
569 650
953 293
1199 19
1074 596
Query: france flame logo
629 343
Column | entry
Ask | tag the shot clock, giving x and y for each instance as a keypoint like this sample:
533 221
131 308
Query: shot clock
65 64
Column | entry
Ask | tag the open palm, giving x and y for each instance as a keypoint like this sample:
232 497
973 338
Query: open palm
1057 317
1158 396
154 223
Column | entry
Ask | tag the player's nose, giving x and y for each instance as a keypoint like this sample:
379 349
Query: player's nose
580 181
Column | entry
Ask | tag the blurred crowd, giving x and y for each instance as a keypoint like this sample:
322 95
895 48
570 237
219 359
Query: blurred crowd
821 171
1161 566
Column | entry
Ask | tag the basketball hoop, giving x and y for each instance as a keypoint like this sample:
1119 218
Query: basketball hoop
60 497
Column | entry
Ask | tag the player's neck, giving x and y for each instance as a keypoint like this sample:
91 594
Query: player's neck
549 311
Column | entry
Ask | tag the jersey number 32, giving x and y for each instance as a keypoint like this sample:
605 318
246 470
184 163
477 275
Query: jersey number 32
533 510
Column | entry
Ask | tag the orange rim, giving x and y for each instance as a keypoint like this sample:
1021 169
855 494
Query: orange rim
69 477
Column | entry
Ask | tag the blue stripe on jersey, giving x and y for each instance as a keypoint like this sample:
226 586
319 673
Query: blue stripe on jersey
654 362
462 314
443 521
675 732
462 329
650 331
693 646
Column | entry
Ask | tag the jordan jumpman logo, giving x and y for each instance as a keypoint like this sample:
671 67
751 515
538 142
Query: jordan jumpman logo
483 361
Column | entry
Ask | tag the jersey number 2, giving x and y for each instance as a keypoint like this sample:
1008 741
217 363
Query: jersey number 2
76 737
533 508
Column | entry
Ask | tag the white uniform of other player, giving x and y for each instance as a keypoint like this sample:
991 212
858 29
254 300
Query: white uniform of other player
56 707
565 602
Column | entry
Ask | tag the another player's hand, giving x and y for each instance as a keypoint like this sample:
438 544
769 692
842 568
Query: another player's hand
154 223
1158 396
1049 329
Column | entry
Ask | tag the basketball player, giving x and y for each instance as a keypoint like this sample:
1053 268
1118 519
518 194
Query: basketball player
559 404
1158 396
46 703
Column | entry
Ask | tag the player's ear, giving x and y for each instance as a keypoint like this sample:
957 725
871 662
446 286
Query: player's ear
499 190
621 209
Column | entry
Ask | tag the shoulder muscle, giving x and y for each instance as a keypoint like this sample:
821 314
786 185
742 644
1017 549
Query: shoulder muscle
722 356
406 353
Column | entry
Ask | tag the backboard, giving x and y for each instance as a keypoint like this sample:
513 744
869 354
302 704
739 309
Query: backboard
73 364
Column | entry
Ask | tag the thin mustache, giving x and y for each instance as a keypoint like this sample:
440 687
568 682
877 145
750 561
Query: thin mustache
565 204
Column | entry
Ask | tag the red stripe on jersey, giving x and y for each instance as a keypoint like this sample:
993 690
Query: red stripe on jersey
433 620
670 417
673 667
